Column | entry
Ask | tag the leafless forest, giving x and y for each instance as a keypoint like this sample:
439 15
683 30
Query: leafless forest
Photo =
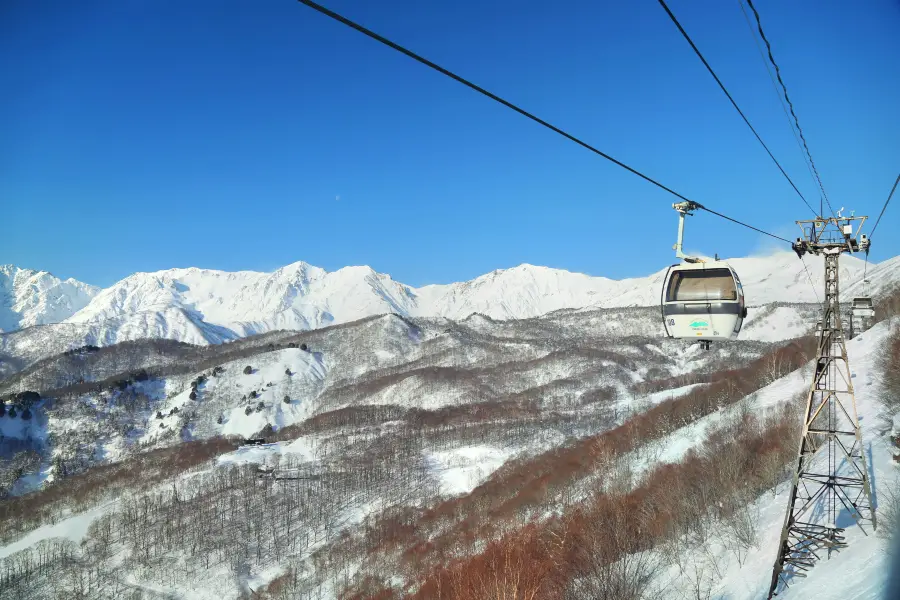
345 501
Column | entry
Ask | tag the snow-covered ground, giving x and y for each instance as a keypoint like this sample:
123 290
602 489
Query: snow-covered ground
239 403
771 324
302 449
22 429
73 528
300 375
462 469
858 572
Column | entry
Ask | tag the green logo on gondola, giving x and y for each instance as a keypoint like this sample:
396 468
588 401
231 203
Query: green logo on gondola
699 324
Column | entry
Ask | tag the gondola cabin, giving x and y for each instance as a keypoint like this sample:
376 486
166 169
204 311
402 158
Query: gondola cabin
862 314
863 308
703 300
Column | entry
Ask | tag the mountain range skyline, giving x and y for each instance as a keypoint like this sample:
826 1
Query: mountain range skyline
209 306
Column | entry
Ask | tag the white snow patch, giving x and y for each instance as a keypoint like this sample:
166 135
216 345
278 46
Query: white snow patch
16 427
461 470
302 448
781 323
73 528
241 414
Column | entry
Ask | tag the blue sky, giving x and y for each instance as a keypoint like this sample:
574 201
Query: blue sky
140 135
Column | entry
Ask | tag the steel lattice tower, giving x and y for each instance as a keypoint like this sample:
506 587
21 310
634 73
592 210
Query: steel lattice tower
831 475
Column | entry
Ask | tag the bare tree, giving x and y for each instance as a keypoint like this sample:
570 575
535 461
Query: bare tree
610 562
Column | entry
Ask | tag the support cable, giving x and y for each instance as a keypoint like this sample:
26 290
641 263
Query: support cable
809 277
787 98
344 20
883 208
733 103
784 108
718 214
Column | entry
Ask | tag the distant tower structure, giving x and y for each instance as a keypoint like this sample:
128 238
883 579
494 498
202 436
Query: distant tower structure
830 471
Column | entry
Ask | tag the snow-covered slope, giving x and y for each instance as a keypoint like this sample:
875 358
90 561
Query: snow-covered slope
36 297
239 403
285 385
879 279
205 306
860 570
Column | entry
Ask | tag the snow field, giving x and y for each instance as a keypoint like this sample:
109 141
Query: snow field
73 528
461 470
226 391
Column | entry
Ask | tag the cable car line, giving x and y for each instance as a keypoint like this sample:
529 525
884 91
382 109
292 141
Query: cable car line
883 208
709 210
790 104
784 108
804 150
744 117
809 278
733 103
483 91
353 25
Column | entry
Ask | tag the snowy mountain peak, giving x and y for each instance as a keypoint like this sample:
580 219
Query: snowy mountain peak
208 306
29 297
301 270
530 268
359 271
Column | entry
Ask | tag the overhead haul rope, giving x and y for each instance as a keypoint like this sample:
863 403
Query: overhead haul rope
733 103
784 108
787 98
883 208
877 221
353 25
747 121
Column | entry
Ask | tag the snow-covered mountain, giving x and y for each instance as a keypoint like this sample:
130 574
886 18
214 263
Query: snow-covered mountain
368 413
204 306
359 397
36 298
529 291
879 279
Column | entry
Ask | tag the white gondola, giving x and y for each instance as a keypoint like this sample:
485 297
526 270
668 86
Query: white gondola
863 308
862 314
701 300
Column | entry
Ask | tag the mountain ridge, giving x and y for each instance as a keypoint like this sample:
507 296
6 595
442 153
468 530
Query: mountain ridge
209 306
29 297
